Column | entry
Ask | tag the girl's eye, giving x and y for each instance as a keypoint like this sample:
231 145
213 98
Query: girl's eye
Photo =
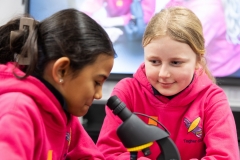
155 61
176 62
97 83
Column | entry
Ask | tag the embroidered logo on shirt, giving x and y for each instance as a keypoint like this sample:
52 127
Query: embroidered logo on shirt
68 136
193 126
151 121
49 157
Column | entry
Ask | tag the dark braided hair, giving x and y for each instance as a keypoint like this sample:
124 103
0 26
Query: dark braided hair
67 33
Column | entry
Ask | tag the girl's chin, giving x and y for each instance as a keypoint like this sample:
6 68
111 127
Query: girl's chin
165 92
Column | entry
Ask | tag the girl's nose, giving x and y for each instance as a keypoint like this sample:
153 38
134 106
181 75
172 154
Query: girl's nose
164 72
98 94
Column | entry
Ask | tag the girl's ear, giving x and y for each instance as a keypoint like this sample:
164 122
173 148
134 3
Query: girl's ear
200 63
60 69
197 66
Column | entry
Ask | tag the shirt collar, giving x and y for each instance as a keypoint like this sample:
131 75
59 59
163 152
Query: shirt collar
56 93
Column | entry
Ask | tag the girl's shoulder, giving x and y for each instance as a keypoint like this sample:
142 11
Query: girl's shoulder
16 102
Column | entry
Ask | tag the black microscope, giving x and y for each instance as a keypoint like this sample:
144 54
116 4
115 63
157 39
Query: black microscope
138 136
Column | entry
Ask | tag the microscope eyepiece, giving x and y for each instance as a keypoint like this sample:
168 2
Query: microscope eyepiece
119 108
113 102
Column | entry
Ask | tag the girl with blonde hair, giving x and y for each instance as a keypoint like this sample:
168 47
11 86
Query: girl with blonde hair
175 87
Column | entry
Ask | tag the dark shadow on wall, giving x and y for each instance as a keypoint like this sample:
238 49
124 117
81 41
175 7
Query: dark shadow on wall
93 120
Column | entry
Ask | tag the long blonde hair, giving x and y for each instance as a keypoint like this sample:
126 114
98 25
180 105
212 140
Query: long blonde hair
182 25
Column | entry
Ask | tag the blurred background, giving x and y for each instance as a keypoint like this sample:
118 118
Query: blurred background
125 21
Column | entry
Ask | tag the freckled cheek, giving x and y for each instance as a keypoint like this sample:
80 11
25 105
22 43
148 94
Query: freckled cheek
152 76
184 78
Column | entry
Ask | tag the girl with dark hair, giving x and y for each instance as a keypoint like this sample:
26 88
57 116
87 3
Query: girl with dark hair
50 73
